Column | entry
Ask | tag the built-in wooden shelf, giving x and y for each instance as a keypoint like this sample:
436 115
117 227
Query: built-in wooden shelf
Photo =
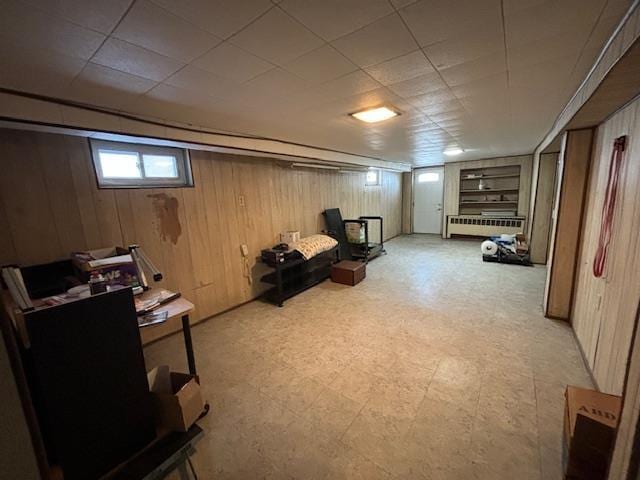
490 191
485 177
498 202
500 190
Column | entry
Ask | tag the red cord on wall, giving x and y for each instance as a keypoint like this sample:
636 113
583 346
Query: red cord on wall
608 209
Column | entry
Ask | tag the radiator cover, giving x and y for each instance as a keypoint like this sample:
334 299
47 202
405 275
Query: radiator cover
476 225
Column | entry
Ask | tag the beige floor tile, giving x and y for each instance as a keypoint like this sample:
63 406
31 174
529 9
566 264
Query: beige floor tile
381 439
348 464
551 463
355 384
330 415
503 455
457 380
508 402
396 398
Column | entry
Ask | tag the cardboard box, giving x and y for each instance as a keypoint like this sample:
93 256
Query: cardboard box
290 237
114 263
521 244
590 425
177 398
348 272
355 232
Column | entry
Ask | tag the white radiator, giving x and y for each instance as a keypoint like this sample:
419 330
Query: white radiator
479 226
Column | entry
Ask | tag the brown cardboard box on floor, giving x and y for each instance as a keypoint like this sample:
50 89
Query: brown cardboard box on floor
590 425
521 244
348 272
177 398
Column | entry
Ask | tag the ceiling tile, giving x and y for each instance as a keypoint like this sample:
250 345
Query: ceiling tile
491 88
512 7
526 25
167 102
153 28
104 86
439 112
233 63
94 14
276 82
401 68
433 21
463 48
33 27
550 75
382 40
36 70
223 18
331 19
549 20
437 96
423 84
276 37
169 93
94 75
474 69
197 80
545 48
136 60
348 85
321 65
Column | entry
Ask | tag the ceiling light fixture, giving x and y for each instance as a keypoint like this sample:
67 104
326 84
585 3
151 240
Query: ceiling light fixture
373 115
452 152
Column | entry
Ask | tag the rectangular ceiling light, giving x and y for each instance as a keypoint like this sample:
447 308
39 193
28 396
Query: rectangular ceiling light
373 115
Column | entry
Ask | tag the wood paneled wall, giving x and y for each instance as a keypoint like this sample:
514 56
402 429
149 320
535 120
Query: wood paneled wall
627 435
569 201
452 183
543 206
50 206
407 202
604 309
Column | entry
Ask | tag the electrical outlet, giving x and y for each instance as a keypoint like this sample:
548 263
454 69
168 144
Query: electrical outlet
245 250
241 200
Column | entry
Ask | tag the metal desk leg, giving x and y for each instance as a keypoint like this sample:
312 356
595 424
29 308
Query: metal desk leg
279 284
191 359
188 344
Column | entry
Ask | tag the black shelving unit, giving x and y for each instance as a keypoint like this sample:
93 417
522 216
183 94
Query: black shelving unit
294 276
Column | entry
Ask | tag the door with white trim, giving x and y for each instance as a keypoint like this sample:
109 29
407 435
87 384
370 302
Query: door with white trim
428 188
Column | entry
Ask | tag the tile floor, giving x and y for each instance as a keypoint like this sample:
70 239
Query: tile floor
437 366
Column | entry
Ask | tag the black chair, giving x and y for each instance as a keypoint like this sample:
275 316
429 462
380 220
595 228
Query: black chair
336 228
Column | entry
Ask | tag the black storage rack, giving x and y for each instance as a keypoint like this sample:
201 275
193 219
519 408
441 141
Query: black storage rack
292 277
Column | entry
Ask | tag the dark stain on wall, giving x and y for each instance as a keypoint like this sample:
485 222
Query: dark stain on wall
166 209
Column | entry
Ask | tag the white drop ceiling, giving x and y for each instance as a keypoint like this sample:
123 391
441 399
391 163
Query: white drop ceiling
488 76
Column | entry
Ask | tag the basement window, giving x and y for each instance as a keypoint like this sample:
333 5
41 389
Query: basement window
373 178
134 165
428 177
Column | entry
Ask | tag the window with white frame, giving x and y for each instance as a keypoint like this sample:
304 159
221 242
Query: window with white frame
373 177
135 165
428 177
